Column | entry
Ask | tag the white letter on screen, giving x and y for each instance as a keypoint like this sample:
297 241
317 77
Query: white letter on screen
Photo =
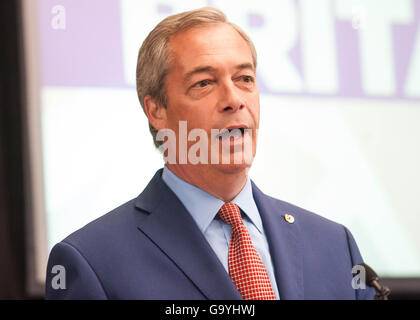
319 47
376 42
412 87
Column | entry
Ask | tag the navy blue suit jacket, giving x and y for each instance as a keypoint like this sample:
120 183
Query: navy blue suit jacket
151 248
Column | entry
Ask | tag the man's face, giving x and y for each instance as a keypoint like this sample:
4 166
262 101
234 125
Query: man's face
212 84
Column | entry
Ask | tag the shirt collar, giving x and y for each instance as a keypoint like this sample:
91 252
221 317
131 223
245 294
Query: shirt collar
203 206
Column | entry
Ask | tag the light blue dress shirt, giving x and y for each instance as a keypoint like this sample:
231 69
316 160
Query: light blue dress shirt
203 207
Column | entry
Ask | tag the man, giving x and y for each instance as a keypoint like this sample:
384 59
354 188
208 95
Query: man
202 229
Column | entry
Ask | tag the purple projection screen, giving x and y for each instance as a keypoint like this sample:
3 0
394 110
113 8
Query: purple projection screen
90 52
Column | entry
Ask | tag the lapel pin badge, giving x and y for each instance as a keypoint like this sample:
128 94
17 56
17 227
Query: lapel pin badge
289 218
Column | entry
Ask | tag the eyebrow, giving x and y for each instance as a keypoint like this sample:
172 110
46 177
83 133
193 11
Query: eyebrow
245 66
198 70
210 69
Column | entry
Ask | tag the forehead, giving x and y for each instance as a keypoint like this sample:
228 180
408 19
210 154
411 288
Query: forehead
215 45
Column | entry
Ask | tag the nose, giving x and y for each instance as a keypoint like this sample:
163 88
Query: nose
230 99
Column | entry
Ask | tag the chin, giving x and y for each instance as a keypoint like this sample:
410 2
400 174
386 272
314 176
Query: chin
232 168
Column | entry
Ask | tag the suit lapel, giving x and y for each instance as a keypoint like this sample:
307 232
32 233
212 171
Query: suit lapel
284 243
173 230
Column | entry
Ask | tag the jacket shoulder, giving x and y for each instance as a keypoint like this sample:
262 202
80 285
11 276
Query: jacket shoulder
305 217
107 228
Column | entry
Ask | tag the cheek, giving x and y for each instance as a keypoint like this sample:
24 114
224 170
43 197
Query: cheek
255 110
176 112
196 117
200 114
200 120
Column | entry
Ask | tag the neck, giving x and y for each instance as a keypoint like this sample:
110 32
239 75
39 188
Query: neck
223 183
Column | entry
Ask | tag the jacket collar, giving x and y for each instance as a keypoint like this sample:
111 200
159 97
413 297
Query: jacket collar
285 244
171 228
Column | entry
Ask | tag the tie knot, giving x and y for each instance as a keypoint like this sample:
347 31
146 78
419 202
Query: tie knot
230 214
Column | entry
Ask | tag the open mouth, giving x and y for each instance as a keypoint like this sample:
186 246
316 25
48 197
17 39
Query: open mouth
232 133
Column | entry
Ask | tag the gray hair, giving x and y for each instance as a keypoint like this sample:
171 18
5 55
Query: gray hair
153 63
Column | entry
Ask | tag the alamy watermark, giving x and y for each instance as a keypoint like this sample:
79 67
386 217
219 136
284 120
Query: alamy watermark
359 277
222 142
358 21
59 280
58 21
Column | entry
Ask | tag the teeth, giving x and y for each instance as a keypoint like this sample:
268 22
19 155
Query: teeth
236 133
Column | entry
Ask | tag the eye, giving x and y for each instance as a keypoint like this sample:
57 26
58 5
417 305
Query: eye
201 84
247 79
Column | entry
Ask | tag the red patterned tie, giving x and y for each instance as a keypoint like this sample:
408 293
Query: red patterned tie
245 266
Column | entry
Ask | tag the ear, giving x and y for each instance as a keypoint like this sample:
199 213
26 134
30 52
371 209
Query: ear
155 113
